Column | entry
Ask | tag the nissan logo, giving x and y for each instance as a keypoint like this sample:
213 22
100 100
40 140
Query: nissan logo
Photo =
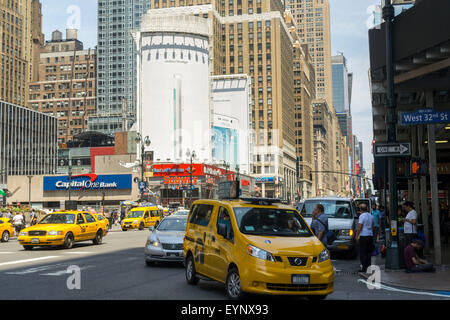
298 261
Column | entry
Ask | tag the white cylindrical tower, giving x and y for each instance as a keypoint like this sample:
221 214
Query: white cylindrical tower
174 73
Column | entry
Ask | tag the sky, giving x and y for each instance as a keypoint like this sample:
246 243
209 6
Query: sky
349 34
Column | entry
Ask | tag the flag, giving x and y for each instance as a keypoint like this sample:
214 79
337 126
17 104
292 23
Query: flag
2 193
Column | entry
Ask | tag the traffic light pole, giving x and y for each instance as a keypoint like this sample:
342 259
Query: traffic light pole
393 260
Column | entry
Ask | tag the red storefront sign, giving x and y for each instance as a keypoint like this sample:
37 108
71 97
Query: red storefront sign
183 169
180 180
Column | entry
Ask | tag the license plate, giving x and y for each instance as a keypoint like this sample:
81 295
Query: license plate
34 240
300 279
172 254
127 226
343 247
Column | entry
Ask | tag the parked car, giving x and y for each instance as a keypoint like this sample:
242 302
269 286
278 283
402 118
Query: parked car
342 221
165 243
6 229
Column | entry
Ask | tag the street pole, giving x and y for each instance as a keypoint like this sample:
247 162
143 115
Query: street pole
70 174
142 169
393 259
29 190
190 184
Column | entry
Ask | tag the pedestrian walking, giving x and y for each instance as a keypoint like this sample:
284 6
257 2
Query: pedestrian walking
364 237
410 222
18 222
319 224
413 262
376 225
9 215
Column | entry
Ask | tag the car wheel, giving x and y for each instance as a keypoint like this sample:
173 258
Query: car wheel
5 236
233 285
141 226
68 241
28 247
317 297
191 274
124 229
98 237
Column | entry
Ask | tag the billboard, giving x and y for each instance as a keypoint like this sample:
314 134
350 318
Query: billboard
175 94
231 109
88 182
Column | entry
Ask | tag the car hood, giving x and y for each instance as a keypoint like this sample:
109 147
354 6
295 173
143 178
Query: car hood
167 236
48 227
336 224
309 246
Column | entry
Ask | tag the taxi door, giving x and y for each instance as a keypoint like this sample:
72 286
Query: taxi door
202 231
221 246
82 228
147 219
92 226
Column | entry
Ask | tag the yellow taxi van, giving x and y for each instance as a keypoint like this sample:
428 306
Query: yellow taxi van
255 245
141 217
63 228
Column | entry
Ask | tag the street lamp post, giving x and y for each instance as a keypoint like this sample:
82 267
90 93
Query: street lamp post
190 155
29 190
144 143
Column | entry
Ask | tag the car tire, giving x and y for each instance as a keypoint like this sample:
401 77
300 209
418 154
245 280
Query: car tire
124 229
233 285
98 237
191 274
68 241
317 297
141 226
5 236
28 247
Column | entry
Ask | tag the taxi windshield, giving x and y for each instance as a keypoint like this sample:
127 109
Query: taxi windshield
135 214
58 218
271 222
172 225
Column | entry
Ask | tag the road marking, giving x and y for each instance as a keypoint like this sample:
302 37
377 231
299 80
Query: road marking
62 272
27 260
4 252
33 270
382 286
78 252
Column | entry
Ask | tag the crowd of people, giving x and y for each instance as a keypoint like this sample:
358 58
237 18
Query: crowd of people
371 227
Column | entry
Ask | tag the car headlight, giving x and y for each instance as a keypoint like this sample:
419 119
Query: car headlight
259 253
22 234
135 221
324 255
55 233
346 233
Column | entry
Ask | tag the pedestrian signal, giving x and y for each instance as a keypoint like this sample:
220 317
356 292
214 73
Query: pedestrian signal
419 167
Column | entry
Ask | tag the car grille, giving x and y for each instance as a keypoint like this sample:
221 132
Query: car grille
172 246
298 261
296 287
37 233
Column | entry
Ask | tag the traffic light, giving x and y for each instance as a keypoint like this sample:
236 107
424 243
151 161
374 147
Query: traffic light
419 167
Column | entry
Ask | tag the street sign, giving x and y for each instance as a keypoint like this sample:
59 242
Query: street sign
424 116
392 150
142 185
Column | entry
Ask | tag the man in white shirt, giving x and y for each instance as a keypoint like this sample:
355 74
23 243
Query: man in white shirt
410 222
18 222
364 236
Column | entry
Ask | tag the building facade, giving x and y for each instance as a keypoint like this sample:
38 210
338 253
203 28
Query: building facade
313 28
117 69
28 142
65 86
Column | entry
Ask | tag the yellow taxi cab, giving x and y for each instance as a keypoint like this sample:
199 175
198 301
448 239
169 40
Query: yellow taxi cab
141 217
6 229
63 228
102 220
255 245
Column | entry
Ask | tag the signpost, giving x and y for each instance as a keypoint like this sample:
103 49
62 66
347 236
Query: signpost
424 116
392 150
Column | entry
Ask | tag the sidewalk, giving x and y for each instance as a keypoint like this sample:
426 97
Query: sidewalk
438 282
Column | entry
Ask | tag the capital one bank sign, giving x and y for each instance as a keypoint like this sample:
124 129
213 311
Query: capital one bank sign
88 182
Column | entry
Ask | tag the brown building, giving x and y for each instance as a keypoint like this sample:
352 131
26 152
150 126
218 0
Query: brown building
21 31
313 28
66 84
251 37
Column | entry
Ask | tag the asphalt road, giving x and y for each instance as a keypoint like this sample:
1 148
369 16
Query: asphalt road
116 270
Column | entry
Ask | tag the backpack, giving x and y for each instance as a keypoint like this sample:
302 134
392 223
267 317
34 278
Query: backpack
331 237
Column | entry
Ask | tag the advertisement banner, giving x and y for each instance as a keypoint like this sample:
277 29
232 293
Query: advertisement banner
88 182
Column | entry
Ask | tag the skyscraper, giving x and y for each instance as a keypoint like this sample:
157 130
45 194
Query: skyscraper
117 75
313 28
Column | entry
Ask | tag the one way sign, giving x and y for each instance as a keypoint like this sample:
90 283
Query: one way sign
393 150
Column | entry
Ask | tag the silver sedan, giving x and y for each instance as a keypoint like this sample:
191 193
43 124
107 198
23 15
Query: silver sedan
165 243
